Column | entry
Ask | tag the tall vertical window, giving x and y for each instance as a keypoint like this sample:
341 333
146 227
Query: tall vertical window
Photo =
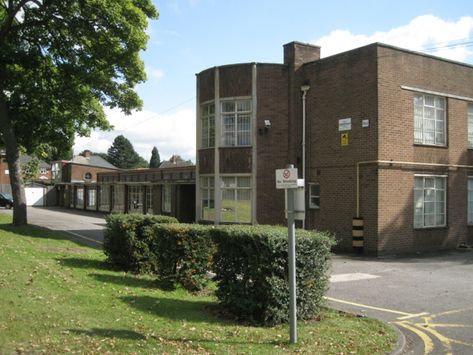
430 201
91 198
314 195
149 199
207 192
236 199
208 125
470 200
470 126
429 120
104 198
135 199
80 197
119 198
236 123
166 198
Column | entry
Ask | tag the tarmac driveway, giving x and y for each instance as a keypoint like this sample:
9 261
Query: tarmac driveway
429 298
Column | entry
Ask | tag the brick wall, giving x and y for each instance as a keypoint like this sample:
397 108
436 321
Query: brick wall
396 141
342 86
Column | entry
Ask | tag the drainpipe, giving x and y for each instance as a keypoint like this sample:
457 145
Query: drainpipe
304 89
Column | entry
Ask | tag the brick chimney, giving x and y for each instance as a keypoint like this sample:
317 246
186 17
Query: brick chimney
87 153
297 53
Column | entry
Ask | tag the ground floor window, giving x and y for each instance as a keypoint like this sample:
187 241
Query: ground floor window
80 197
149 199
314 195
118 198
91 198
470 200
430 201
166 199
135 199
236 199
104 198
207 193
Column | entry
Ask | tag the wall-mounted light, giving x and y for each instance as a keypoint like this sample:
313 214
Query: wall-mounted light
267 126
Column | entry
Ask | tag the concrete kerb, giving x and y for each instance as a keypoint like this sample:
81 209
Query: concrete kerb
401 340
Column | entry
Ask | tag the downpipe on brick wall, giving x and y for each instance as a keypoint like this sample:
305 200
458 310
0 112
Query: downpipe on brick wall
304 89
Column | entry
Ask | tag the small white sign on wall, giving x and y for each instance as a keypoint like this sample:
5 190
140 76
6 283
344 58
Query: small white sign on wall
344 124
365 123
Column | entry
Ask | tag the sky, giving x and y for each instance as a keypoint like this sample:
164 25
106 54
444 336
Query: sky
193 35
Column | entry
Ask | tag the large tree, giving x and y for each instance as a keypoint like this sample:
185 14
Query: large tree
123 155
60 62
155 160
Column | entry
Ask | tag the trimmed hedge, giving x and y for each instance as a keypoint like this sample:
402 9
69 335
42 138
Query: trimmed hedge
184 253
252 272
126 244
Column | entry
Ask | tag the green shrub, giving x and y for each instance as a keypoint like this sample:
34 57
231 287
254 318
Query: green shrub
252 272
126 244
184 253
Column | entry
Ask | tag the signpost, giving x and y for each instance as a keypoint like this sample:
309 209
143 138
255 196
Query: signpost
287 179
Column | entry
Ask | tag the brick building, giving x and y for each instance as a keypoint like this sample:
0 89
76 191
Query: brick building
382 136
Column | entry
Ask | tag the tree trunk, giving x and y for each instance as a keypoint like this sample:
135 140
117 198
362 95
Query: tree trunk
13 159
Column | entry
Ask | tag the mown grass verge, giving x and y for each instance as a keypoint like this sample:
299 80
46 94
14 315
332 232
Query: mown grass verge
57 296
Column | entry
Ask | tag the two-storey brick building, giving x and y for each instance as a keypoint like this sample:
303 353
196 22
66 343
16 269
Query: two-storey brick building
379 133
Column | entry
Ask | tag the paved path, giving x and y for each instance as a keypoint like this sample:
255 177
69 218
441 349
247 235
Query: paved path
86 226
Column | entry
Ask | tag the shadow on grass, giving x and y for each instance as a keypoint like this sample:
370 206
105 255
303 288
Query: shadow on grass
109 333
126 280
83 263
175 309
34 231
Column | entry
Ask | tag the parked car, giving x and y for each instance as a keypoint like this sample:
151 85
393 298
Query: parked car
6 200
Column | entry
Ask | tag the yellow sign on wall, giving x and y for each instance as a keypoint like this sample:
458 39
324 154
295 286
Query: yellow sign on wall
344 139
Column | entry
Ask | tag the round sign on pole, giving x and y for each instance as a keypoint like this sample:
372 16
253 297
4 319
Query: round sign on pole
286 174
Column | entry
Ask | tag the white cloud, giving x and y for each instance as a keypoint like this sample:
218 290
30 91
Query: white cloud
172 133
154 73
423 33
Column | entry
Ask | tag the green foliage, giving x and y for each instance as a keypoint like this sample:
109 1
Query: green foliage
184 253
155 160
30 170
125 243
60 63
123 155
60 60
252 272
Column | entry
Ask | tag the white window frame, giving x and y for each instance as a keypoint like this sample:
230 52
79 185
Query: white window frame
135 199
207 197
470 200
104 197
470 126
166 198
430 120
208 125
149 199
238 132
235 189
314 195
91 197
427 194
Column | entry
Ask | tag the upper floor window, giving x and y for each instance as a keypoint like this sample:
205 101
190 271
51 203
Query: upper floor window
236 123
208 125
470 126
429 120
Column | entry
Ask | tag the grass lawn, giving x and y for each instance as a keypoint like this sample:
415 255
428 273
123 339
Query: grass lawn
57 296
